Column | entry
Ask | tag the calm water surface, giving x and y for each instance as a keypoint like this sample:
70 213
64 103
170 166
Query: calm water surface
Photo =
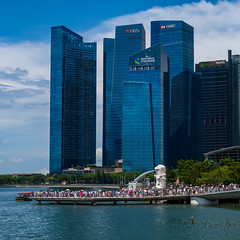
28 220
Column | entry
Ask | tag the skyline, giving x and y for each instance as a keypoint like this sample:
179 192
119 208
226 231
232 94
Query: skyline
25 68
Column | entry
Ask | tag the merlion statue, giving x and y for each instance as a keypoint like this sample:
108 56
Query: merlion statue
160 176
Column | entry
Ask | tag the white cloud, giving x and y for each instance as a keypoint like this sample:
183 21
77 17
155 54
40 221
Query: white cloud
24 83
216 29
1 161
33 56
43 171
215 25
16 160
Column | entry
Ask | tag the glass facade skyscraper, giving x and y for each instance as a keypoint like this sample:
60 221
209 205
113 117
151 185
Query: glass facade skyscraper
176 37
177 40
220 103
108 46
146 110
129 39
72 100
235 61
215 105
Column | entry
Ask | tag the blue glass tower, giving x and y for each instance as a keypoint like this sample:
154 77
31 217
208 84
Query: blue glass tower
220 82
146 110
176 37
137 129
72 100
129 39
108 46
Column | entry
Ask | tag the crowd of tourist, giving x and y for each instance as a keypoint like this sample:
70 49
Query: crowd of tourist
137 192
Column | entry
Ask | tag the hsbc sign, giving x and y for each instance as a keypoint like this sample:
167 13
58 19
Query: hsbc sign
132 30
168 26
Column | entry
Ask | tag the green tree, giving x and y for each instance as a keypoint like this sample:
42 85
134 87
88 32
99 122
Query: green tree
36 179
51 179
22 180
109 178
235 172
62 178
130 176
79 167
7 179
114 166
73 178
188 171
172 175
212 177
103 178
226 162
91 165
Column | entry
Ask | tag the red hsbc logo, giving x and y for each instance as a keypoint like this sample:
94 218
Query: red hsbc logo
132 30
168 26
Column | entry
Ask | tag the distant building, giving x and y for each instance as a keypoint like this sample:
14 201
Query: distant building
73 171
103 169
217 155
24 174
72 101
118 163
129 39
177 39
220 103
235 99
146 110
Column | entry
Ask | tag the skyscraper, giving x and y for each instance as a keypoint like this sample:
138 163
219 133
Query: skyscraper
176 37
220 103
108 46
146 110
235 74
72 101
129 39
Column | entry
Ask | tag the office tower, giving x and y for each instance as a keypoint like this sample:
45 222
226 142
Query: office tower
235 74
176 37
128 40
72 101
220 103
146 110
108 46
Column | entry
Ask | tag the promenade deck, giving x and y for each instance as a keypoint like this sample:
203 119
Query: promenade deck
113 200
200 198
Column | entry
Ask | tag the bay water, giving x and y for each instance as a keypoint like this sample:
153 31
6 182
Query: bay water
29 220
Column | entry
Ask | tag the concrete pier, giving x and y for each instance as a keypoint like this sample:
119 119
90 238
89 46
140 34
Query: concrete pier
194 199
112 200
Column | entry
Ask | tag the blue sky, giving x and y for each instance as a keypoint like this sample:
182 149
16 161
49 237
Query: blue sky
25 59
31 20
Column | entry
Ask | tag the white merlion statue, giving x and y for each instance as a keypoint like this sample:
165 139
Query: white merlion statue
160 176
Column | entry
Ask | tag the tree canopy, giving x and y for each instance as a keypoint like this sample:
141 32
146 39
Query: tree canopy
187 171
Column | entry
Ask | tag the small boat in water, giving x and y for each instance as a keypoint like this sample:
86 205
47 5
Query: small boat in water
25 196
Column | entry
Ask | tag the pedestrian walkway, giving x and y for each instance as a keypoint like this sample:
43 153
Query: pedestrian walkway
172 194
